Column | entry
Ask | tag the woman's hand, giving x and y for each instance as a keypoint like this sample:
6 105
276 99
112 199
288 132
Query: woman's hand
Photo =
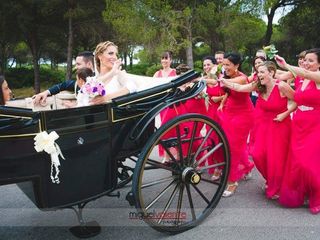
280 117
280 61
69 104
100 100
216 99
116 68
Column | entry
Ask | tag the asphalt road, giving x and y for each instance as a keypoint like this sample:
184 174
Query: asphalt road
246 215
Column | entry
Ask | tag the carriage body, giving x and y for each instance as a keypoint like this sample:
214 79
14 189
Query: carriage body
94 141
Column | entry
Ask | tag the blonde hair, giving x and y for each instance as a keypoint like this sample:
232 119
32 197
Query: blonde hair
101 47
271 66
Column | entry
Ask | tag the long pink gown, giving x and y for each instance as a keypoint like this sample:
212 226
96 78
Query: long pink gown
214 114
302 177
272 138
168 113
237 120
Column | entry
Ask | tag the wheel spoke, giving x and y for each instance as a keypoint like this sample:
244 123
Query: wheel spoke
195 126
153 183
202 143
157 164
179 203
191 202
211 181
200 193
168 151
202 169
179 145
208 154
160 195
168 204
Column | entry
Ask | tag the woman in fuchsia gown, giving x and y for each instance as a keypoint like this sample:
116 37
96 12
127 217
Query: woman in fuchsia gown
301 182
237 120
168 113
216 95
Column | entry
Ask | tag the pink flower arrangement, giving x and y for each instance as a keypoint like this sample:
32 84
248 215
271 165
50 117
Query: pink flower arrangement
93 88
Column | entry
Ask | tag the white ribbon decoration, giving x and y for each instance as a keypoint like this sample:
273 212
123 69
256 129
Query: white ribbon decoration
46 142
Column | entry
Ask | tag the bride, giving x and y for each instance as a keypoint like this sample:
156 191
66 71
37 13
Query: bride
108 71
116 81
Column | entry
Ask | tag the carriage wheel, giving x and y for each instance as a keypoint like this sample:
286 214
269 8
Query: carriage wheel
178 194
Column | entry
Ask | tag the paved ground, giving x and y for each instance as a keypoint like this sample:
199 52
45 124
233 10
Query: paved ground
247 215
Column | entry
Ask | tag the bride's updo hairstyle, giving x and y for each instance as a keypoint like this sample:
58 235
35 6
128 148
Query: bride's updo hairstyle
101 47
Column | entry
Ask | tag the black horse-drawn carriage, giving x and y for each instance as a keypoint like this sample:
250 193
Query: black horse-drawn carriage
106 146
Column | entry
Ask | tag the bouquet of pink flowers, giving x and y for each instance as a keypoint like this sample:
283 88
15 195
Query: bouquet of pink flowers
90 89
93 88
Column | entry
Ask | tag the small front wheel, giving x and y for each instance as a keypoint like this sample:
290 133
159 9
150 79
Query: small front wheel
175 191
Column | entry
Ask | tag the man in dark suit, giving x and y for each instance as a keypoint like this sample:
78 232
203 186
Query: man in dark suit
84 59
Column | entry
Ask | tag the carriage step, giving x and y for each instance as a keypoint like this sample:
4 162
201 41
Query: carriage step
113 194
130 198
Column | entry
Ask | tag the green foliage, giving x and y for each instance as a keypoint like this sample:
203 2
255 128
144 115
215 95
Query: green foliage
198 66
246 66
244 33
139 69
300 30
24 77
38 29
152 69
201 51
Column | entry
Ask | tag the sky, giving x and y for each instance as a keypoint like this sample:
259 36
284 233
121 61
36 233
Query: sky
279 14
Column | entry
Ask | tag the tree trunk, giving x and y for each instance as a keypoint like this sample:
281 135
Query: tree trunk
131 59
69 51
267 38
3 58
36 70
125 59
189 53
35 60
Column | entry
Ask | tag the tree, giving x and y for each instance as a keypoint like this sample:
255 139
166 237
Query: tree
32 21
10 35
299 29
270 8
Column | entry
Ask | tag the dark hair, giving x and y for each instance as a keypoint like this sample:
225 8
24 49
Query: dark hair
254 61
167 54
1 93
235 58
83 73
182 68
211 58
87 56
315 51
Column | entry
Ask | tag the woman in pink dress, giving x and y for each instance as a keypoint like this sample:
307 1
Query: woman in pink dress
272 126
237 120
302 179
257 61
168 113
216 95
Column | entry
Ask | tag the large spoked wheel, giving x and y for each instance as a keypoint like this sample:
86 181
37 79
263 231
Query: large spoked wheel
174 191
